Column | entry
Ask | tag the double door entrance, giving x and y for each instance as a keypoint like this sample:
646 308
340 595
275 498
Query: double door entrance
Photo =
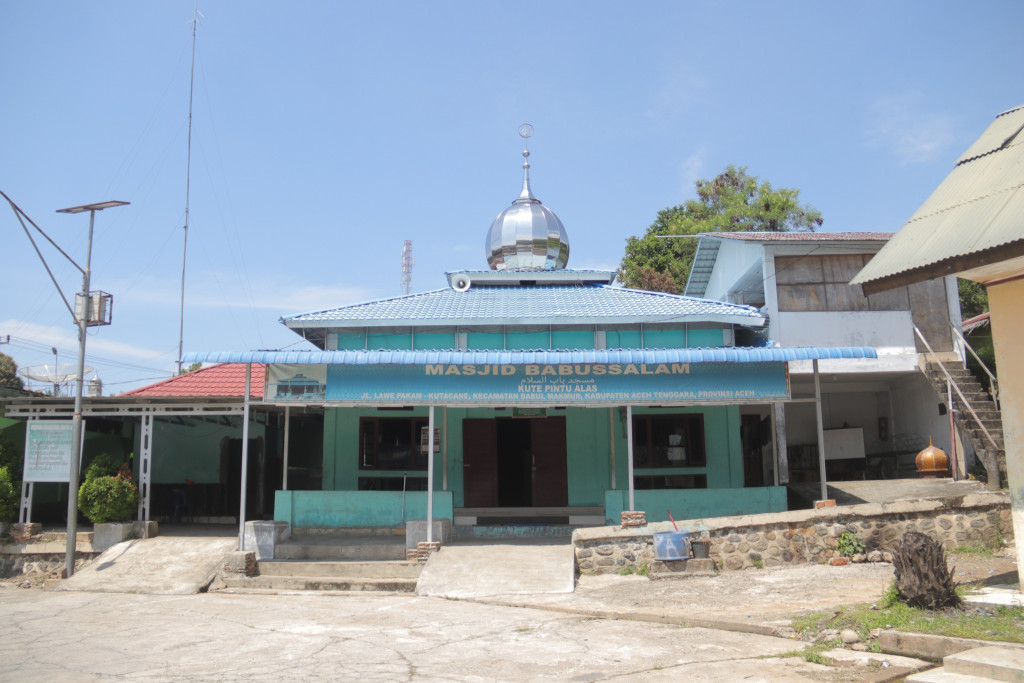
515 462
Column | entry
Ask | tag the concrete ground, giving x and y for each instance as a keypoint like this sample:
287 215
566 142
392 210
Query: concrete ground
472 568
71 636
758 601
889 490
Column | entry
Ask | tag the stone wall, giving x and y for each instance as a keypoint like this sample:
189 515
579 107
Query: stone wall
30 571
804 536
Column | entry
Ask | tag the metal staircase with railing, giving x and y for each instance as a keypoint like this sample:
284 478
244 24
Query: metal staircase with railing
975 409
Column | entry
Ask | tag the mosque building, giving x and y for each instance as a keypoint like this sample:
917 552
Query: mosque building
531 392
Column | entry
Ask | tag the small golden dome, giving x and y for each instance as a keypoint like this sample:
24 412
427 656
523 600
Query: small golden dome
932 461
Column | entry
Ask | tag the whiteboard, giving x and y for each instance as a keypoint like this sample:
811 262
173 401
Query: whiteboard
48 450
844 444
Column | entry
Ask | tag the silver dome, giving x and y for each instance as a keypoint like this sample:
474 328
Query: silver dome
527 235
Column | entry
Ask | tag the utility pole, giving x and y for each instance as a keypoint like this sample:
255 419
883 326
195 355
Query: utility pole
83 319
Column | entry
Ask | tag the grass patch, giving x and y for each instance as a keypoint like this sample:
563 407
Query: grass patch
814 653
973 549
996 623
642 569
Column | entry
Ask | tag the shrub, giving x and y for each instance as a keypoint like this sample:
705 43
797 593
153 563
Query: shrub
9 498
108 499
849 545
103 465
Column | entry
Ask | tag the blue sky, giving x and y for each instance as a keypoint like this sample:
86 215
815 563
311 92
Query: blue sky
327 133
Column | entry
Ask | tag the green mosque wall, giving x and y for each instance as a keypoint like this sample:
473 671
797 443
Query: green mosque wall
589 435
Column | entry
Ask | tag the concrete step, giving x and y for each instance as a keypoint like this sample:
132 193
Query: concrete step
342 548
345 532
992 663
979 400
941 675
369 570
321 583
511 531
995 431
990 418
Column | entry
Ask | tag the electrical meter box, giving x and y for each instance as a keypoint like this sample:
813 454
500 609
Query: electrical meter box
101 306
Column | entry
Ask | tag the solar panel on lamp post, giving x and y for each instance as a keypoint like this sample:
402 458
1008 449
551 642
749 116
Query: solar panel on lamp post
76 429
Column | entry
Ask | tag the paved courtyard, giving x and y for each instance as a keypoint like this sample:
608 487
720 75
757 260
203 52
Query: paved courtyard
69 636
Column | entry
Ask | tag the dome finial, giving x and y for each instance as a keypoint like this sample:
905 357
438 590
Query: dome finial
527 235
525 131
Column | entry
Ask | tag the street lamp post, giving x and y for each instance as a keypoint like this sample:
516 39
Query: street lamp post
76 428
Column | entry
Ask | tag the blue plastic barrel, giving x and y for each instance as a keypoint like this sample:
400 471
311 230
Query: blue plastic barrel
672 545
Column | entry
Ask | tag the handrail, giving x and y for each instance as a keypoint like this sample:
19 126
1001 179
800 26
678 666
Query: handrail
952 383
992 381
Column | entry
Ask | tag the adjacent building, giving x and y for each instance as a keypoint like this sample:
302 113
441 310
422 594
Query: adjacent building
878 412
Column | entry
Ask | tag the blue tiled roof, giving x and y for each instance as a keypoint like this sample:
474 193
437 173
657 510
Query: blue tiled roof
732 354
549 304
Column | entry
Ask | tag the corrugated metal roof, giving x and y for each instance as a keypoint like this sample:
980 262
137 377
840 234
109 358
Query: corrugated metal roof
801 236
979 206
994 136
711 355
530 305
703 266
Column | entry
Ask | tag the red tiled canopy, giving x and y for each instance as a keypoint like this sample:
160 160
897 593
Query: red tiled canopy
223 379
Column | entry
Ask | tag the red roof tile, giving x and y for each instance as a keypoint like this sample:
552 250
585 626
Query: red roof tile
223 379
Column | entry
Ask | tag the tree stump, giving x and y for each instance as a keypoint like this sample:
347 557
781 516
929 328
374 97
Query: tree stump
922 577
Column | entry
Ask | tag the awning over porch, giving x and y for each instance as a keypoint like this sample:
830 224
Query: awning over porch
732 354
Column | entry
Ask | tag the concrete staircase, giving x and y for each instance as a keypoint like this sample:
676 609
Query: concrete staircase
335 562
981 402
991 663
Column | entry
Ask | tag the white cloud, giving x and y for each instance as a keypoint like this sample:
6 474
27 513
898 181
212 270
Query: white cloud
681 90
223 290
905 125
690 170
65 339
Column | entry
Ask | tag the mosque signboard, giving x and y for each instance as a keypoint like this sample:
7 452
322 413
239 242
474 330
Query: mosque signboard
530 384
48 449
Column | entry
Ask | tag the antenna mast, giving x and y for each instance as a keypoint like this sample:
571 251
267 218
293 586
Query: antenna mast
188 187
407 263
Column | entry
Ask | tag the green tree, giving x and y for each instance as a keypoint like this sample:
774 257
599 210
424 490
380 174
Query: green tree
12 457
9 378
973 298
191 368
9 498
730 202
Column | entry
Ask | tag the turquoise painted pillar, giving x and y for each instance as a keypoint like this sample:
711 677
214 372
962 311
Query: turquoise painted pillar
629 454
430 474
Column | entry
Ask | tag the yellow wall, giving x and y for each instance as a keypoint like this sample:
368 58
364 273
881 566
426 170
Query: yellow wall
1006 302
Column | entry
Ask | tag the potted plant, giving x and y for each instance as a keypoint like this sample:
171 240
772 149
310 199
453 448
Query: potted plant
109 498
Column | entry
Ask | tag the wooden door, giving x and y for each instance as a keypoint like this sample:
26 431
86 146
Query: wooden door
750 442
550 471
480 463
